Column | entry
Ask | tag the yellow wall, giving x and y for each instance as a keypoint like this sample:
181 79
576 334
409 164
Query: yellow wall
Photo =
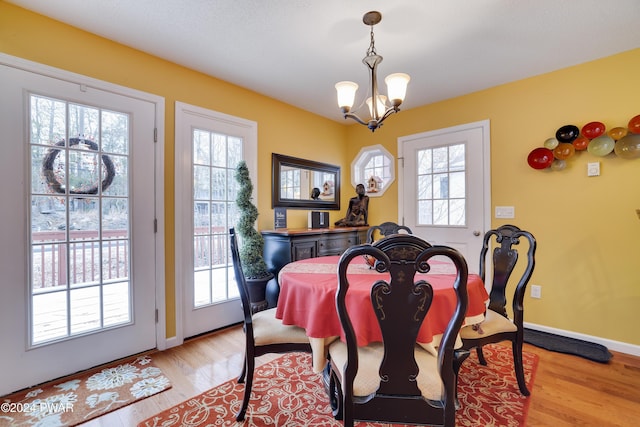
587 229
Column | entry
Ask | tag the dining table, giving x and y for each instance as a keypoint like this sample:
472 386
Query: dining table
307 299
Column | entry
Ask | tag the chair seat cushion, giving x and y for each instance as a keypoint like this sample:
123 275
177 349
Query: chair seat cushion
493 323
369 358
269 330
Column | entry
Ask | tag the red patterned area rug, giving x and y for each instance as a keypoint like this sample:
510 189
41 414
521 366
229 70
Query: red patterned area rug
76 399
286 392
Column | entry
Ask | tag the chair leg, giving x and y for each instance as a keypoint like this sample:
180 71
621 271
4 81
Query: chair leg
519 368
244 370
249 366
481 358
459 357
335 394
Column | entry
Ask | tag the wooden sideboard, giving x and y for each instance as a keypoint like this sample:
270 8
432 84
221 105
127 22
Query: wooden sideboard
283 246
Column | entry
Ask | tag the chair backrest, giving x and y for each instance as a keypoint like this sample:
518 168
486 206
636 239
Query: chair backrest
401 304
386 229
239 276
504 261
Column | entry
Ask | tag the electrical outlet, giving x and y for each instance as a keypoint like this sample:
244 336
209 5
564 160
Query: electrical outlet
536 291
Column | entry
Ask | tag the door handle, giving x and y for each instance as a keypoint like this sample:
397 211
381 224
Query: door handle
476 233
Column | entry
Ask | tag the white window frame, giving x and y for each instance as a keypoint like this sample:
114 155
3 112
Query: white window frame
360 162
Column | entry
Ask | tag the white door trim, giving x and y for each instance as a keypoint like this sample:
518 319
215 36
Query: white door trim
158 101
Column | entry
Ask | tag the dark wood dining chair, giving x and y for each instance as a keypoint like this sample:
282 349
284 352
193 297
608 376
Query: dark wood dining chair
397 380
263 332
497 325
386 229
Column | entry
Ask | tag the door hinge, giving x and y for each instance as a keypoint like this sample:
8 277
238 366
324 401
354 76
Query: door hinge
157 315
155 134
401 161
155 225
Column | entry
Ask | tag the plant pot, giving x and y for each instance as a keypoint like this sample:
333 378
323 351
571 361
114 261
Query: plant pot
257 292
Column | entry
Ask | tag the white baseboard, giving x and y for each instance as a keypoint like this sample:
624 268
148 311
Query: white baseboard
618 346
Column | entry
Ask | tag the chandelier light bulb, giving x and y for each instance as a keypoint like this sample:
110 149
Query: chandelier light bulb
346 95
381 106
396 86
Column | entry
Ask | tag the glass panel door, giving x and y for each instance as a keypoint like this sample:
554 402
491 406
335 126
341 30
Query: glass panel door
209 145
79 247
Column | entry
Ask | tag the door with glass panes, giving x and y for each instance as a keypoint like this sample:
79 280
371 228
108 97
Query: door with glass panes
445 187
209 146
78 268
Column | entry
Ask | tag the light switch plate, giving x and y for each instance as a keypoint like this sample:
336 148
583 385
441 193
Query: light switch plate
505 212
593 169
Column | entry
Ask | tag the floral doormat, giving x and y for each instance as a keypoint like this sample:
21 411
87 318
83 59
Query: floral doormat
81 397
287 393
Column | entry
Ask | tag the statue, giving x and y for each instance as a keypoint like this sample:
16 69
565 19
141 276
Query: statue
358 210
315 193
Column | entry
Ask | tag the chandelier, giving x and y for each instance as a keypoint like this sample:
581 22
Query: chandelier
379 106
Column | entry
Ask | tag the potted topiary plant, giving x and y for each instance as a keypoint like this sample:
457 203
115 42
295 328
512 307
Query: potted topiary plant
251 242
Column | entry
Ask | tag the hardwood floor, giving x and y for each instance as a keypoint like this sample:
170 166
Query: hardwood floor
568 390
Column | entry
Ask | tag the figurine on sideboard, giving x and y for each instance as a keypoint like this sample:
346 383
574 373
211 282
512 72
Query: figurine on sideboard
358 211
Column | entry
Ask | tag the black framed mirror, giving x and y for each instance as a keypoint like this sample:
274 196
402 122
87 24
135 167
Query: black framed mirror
304 184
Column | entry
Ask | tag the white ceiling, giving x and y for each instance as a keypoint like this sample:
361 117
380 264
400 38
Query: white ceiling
296 50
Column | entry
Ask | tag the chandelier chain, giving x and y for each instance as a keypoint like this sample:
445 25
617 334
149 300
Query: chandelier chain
372 46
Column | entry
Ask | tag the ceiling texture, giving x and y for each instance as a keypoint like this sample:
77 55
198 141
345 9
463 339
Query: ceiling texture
296 50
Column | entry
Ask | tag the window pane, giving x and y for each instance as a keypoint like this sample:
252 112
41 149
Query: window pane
202 251
119 186
219 150
201 218
116 304
48 219
84 218
425 212
84 263
441 212
48 266
48 120
201 148
202 288
201 182
84 122
218 183
456 157
441 186
85 309
457 185
440 159
115 259
115 132
424 162
424 187
115 218
49 317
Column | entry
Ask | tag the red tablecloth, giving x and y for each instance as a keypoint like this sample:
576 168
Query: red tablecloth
307 299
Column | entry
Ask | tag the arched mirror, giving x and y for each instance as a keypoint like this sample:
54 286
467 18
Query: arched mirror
304 184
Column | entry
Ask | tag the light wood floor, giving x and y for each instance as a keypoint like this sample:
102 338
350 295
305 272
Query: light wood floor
568 390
